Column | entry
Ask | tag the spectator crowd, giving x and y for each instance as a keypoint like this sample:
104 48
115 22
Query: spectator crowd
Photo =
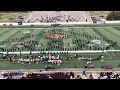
109 75
56 75
58 16
56 19
59 75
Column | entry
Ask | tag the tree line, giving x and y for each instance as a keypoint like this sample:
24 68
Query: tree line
113 15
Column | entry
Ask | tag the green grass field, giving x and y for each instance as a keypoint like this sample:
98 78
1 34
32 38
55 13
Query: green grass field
4 16
75 39
110 58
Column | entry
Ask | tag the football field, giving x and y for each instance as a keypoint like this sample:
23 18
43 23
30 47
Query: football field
65 38
59 39
69 61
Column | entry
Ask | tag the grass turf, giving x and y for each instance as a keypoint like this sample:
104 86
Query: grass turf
37 34
4 16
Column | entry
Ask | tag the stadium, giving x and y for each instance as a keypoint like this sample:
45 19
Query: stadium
59 45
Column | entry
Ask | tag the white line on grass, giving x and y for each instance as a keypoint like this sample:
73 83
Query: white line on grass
110 39
109 55
86 38
114 56
102 38
113 32
106 52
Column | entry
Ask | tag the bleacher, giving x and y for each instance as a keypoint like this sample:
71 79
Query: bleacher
55 16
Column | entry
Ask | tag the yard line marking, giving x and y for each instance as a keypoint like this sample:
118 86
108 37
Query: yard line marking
115 57
106 52
88 34
109 37
109 54
110 29
85 38
102 38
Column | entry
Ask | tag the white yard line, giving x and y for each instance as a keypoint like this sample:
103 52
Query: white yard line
114 33
86 38
109 37
82 47
104 41
113 30
114 56
106 52
109 54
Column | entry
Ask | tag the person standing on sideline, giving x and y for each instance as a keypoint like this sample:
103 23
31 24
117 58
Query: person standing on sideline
84 72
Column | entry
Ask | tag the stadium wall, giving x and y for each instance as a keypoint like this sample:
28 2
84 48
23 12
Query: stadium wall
14 24
112 22
62 23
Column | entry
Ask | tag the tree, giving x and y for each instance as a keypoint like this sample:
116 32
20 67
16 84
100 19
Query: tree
113 15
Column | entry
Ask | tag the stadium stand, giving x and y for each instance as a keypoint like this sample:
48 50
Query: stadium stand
57 75
57 16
